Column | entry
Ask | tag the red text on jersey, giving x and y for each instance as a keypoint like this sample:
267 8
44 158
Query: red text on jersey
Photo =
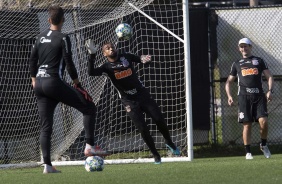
123 74
249 71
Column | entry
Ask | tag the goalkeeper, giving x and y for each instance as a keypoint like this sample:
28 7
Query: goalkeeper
50 55
134 96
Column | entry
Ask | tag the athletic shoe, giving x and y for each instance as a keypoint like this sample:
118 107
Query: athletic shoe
249 156
265 151
50 169
158 159
173 151
97 151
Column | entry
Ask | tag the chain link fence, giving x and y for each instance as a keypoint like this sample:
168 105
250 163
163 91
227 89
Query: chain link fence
263 26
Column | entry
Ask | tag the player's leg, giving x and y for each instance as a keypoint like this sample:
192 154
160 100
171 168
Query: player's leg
263 128
71 97
133 110
245 117
247 129
263 122
149 106
46 107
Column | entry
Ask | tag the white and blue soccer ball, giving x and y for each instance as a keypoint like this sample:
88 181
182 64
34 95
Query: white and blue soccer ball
124 31
94 163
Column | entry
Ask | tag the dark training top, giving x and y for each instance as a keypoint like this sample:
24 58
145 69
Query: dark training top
249 72
51 54
121 73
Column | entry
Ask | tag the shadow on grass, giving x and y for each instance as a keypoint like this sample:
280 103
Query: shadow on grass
215 150
201 151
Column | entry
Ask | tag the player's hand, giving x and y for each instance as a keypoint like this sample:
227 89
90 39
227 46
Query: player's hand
145 58
230 101
83 91
269 96
91 47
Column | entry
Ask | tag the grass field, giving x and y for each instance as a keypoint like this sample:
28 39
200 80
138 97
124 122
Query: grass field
229 170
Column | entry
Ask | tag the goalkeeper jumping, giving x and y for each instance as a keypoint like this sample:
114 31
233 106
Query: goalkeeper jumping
134 96
50 55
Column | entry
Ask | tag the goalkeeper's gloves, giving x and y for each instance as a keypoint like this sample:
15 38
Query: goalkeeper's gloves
91 47
83 92
145 58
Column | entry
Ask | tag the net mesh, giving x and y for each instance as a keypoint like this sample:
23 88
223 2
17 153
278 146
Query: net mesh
22 20
261 28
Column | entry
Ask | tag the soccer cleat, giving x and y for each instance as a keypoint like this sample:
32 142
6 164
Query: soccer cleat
50 169
97 151
173 151
265 151
249 156
158 159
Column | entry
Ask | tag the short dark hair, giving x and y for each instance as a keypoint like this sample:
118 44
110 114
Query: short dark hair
56 14
107 43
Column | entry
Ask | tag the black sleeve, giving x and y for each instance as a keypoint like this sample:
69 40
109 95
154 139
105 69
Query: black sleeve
33 60
67 55
134 58
264 65
233 70
94 71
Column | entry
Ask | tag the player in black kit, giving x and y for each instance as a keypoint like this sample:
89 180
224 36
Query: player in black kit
134 96
50 55
252 100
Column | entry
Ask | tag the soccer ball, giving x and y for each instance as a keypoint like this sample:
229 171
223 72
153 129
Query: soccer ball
124 31
94 163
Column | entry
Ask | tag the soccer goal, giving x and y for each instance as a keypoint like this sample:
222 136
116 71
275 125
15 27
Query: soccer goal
160 29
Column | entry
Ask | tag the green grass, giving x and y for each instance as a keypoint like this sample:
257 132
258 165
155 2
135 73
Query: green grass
229 170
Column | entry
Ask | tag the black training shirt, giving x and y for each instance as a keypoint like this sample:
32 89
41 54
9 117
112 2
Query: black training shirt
249 72
121 72
51 54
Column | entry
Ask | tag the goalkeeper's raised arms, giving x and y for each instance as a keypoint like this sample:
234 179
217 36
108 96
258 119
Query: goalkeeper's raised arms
91 47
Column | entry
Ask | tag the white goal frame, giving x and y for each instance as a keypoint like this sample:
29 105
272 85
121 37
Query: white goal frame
188 93
186 77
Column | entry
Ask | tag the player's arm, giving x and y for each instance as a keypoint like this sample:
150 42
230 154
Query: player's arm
67 55
229 80
140 59
33 63
92 50
270 82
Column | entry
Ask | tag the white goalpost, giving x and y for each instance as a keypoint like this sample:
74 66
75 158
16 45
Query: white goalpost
160 28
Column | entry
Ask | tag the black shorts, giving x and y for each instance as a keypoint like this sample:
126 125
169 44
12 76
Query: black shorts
143 102
251 108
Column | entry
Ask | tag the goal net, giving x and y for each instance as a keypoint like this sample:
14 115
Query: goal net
22 20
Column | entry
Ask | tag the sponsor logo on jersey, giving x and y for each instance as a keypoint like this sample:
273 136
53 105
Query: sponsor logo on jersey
252 90
249 71
123 74
246 62
44 40
131 92
241 115
124 61
116 66
255 62
42 72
